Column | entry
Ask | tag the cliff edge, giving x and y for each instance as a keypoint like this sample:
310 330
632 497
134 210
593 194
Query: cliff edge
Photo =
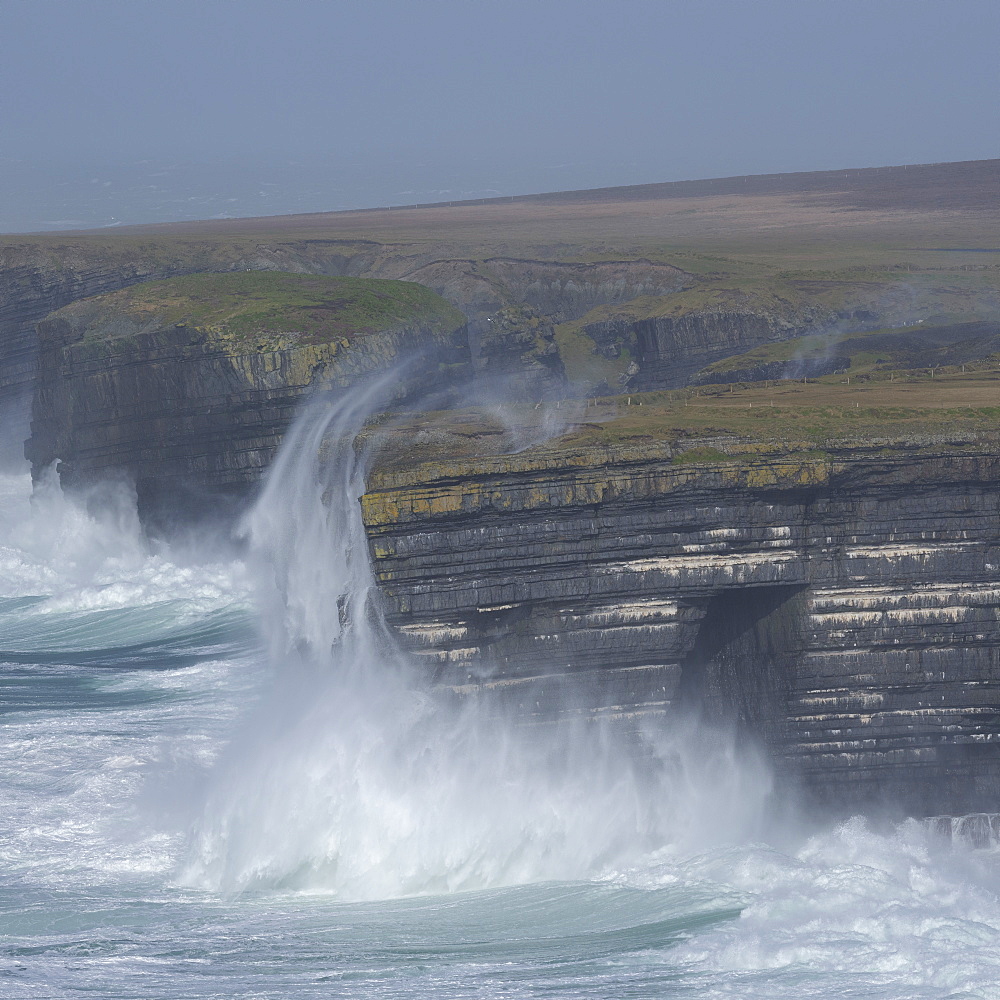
188 384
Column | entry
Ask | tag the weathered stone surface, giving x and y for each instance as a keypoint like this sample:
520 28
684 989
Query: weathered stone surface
39 277
845 607
515 356
669 351
926 346
560 290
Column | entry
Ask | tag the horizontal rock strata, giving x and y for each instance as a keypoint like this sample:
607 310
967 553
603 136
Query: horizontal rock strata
844 608
41 275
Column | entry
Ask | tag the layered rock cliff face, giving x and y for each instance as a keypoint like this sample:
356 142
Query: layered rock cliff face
560 290
40 276
669 350
924 346
670 342
189 384
635 323
842 606
516 356
32 285
680 339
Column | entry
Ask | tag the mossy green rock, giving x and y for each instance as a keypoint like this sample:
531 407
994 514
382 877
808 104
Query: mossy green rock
263 310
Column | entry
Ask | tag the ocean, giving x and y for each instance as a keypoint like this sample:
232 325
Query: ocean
219 778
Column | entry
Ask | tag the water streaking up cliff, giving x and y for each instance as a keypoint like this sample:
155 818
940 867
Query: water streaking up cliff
223 775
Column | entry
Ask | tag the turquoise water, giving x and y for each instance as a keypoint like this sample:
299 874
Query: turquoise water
191 807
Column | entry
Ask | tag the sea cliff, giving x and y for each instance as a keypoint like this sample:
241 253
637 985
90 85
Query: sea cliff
187 385
814 560
840 605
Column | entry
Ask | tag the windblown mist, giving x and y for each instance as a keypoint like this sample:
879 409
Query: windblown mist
222 777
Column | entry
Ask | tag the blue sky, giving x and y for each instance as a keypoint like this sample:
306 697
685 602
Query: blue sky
123 110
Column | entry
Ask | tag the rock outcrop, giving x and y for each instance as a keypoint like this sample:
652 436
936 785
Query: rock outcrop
559 290
669 341
515 356
669 350
697 335
927 346
41 275
842 606
188 385
838 602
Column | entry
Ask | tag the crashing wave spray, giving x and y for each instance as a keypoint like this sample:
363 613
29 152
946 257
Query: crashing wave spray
308 540
356 777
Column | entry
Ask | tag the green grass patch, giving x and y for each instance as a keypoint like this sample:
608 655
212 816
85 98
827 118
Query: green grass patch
697 456
817 420
264 304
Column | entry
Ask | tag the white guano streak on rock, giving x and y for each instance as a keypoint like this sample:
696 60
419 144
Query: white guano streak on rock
925 595
728 566
434 632
895 551
449 655
890 617
615 614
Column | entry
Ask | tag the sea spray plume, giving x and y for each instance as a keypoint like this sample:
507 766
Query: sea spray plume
357 777
15 428
529 427
93 535
526 423
310 550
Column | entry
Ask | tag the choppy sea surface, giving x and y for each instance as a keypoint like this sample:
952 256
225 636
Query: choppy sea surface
192 806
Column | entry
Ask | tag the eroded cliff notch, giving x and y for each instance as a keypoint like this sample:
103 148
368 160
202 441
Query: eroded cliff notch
740 668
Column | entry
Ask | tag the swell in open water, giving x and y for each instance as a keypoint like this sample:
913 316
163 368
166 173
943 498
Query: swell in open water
218 778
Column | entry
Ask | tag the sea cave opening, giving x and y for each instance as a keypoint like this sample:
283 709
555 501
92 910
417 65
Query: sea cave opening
739 669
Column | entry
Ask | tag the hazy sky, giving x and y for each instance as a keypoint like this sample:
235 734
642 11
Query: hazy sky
143 109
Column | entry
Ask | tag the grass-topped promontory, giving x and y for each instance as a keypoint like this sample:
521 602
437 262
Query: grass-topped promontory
262 305
908 352
813 420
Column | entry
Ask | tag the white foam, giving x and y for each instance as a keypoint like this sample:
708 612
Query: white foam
901 910
88 552
351 780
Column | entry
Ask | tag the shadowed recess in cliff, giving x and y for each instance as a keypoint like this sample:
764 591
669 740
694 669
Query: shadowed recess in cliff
740 666
358 778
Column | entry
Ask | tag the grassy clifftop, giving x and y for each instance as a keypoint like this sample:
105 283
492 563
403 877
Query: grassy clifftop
262 306
601 343
813 420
